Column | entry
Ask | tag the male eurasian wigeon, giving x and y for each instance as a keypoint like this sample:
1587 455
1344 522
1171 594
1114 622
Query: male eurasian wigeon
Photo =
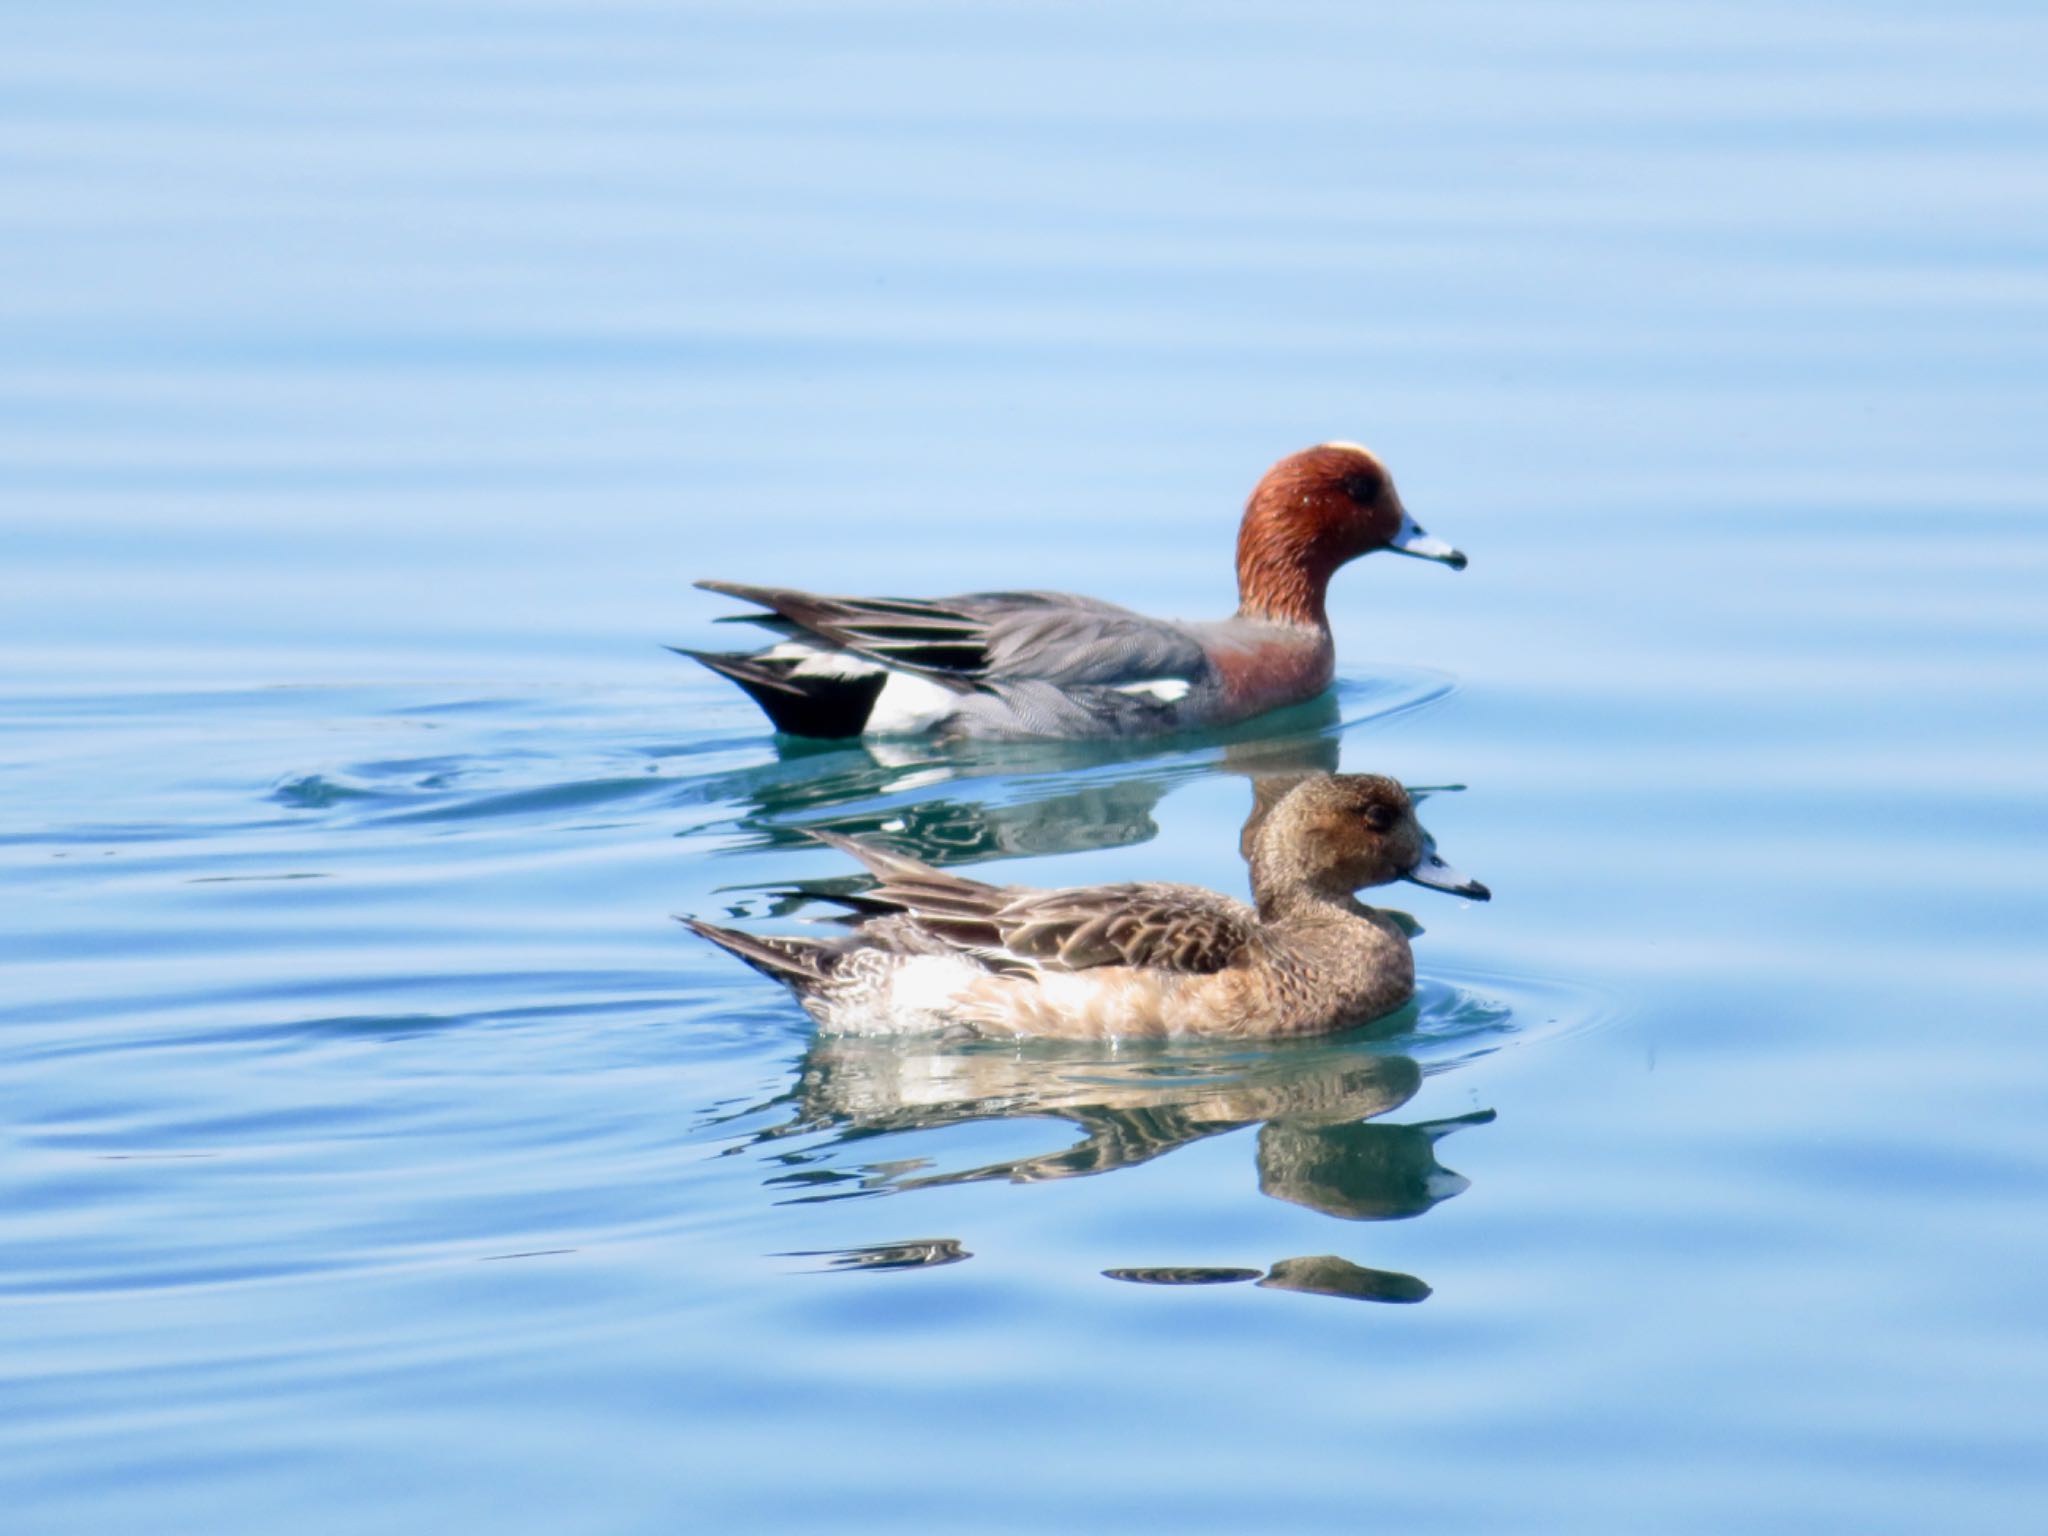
937 952
1010 664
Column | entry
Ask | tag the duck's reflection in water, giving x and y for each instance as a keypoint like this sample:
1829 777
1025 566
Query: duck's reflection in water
1361 1172
1320 1143
1056 797
911 1253
1324 1275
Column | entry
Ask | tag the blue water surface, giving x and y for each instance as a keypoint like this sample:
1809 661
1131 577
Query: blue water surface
375 378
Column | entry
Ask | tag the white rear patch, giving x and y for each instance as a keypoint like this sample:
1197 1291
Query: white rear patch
1168 690
909 703
917 995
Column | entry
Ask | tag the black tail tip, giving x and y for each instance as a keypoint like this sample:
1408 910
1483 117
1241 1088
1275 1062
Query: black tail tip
797 703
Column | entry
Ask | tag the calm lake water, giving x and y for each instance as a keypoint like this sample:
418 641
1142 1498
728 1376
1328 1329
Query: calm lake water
380 1155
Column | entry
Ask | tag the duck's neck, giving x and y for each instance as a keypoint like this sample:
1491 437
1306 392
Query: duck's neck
1280 578
1297 529
1287 895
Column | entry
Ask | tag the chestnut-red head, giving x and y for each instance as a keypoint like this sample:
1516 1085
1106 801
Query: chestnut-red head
1314 511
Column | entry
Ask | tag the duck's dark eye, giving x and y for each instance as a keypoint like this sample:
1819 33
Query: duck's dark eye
1364 485
1380 818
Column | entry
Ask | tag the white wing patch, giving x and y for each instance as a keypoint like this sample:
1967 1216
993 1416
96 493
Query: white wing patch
1167 690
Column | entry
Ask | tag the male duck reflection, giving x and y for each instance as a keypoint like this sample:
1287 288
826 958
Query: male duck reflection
1015 664
941 952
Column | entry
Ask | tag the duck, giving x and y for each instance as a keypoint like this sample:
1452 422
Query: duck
932 952
1009 665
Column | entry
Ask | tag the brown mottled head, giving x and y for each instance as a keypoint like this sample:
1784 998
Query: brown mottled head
1336 833
1312 512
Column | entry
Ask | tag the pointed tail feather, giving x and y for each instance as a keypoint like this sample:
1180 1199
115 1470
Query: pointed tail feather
1437 1130
800 964
743 667
799 703
915 885
943 644
952 906
882 863
761 597
857 905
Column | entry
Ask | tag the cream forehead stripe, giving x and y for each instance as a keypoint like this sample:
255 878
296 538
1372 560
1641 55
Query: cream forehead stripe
1350 448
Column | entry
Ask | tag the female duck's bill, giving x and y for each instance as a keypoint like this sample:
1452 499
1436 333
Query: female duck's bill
1432 871
1012 664
935 952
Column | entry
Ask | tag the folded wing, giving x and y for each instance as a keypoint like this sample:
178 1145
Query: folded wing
984 638
1180 928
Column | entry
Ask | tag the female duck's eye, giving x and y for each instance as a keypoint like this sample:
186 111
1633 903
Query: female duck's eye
1379 817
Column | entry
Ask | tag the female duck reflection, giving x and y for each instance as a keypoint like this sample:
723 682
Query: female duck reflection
1312 1102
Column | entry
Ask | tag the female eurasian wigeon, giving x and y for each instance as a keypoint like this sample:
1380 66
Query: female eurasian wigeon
939 952
1009 664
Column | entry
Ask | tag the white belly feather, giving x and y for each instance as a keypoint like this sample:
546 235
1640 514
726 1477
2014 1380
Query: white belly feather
884 994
